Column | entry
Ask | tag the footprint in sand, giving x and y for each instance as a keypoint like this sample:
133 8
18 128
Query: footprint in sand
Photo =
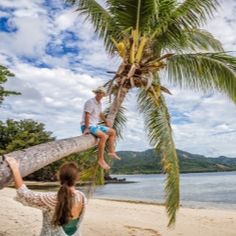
138 231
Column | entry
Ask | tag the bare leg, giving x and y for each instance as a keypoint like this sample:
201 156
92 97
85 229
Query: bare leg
101 146
112 138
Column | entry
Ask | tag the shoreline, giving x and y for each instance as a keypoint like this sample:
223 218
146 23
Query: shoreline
53 186
116 218
206 207
182 172
119 181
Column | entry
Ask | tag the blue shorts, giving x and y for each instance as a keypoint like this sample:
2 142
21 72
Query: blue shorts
95 128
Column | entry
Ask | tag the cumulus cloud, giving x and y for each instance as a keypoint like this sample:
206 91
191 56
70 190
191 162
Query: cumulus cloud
210 127
66 20
31 24
52 96
223 24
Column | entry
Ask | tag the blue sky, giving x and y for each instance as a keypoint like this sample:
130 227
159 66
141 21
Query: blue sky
58 60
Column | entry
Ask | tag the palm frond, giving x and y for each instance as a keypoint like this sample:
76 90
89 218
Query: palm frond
133 13
193 13
188 15
193 40
157 122
165 9
119 122
162 11
100 18
204 71
90 172
199 39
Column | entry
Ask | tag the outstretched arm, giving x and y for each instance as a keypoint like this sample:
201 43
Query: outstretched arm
14 165
25 195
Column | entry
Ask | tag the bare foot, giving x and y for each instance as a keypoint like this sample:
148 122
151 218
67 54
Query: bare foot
104 165
114 155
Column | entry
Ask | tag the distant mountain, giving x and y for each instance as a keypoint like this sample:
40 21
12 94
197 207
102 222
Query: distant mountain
148 162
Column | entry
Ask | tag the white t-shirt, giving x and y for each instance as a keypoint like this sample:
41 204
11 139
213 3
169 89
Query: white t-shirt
94 108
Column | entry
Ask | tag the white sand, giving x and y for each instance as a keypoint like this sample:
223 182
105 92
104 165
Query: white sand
111 218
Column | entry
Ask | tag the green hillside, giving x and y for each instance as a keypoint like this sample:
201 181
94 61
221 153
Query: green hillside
148 162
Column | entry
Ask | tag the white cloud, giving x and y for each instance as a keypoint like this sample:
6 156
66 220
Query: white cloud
52 96
4 14
20 3
32 26
223 24
211 127
66 20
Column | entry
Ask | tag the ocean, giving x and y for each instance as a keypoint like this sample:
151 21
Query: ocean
197 190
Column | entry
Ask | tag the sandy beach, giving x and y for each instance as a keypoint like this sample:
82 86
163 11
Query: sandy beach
114 218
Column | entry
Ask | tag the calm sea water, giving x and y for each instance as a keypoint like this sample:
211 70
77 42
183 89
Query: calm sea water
211 190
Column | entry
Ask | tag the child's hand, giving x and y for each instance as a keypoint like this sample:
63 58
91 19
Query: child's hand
12 162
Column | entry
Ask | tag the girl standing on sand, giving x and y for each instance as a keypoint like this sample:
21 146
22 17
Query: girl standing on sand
62 211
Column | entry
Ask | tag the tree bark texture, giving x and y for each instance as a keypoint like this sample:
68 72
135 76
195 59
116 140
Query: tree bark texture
36 157
117 102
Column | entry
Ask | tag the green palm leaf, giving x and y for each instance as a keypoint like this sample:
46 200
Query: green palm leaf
90 169
101 19
199 39
189 14
192 39
193 13
119 122
133 13
157 122
166 8
204 72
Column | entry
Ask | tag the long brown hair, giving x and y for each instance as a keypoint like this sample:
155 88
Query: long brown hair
68 174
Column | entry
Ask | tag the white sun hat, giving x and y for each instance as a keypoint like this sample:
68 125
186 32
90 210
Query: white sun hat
100 89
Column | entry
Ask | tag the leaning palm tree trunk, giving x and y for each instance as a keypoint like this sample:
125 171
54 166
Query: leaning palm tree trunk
36 157
116 105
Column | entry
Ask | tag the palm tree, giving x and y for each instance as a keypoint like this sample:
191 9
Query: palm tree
150 36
